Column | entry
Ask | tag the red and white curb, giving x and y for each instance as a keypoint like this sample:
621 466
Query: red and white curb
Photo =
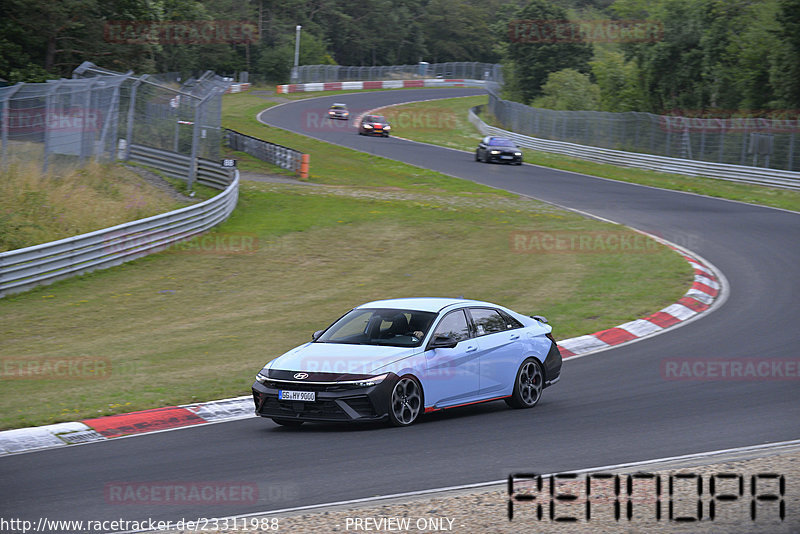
701 296
381 84
114 426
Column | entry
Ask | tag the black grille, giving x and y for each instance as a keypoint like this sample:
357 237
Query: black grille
321 408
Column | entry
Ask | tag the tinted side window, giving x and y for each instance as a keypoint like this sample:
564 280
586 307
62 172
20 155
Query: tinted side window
454 325
488 321
510 321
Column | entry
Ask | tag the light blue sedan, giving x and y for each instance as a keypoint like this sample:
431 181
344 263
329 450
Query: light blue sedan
397 359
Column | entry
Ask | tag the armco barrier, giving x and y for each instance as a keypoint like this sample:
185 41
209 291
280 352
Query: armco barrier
28 267
283 157
175 165
384 84
721 171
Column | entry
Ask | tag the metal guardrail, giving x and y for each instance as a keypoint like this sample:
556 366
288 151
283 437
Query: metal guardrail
28 267
343 73
209 173
721 171
283 157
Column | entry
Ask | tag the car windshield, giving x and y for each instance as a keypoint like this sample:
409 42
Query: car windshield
380 326
338 106
376 118
501 142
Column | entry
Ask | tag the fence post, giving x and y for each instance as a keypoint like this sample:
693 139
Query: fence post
113 109
47 112
131 110
5 124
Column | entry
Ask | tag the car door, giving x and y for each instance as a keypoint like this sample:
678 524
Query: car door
451 374
501 347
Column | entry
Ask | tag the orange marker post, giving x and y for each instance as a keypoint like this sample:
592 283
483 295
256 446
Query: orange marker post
304 161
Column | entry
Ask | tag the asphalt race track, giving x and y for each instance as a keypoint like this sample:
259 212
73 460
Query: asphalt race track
609 408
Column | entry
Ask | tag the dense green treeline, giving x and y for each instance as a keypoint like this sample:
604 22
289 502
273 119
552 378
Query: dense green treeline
705 55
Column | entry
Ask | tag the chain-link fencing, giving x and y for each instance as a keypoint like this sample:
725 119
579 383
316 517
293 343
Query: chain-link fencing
102 114
338 73
762 142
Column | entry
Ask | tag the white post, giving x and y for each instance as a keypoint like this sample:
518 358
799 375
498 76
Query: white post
297 46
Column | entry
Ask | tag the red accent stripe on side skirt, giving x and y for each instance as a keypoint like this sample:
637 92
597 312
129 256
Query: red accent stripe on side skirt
114 426
432 409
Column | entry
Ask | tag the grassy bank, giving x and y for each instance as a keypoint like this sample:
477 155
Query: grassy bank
37 208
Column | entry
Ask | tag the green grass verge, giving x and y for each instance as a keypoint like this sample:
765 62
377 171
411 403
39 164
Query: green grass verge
196 322
446 124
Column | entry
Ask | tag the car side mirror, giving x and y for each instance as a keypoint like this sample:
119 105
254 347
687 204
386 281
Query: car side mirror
316 335
443 342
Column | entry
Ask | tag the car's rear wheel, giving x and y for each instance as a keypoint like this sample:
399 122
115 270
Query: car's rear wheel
287 422
528 385
405 405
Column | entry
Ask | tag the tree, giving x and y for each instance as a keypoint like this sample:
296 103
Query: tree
785 63
535 56
617 80
570 90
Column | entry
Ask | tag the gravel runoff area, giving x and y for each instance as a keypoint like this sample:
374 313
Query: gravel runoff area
485 509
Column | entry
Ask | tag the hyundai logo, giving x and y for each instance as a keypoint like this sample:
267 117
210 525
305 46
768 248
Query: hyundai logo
301 376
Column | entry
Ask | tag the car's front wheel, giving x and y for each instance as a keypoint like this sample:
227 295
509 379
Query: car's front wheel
528 385
406 402
286 422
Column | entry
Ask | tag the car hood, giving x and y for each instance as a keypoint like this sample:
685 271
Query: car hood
340 358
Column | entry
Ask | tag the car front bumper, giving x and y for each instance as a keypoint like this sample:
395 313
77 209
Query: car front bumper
333 402
503 158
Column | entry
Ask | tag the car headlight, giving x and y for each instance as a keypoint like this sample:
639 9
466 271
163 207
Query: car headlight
495 152
368 382
387 127
517 153
331 112
368 126
261 377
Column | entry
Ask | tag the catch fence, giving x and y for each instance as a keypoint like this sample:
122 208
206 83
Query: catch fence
746 141
103 115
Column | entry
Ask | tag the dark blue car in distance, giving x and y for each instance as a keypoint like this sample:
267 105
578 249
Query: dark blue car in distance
498 149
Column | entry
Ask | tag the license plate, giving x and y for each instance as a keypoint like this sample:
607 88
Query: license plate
307 396
506 157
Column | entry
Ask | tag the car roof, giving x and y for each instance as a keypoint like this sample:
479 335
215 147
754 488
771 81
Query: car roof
338 104
429 304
